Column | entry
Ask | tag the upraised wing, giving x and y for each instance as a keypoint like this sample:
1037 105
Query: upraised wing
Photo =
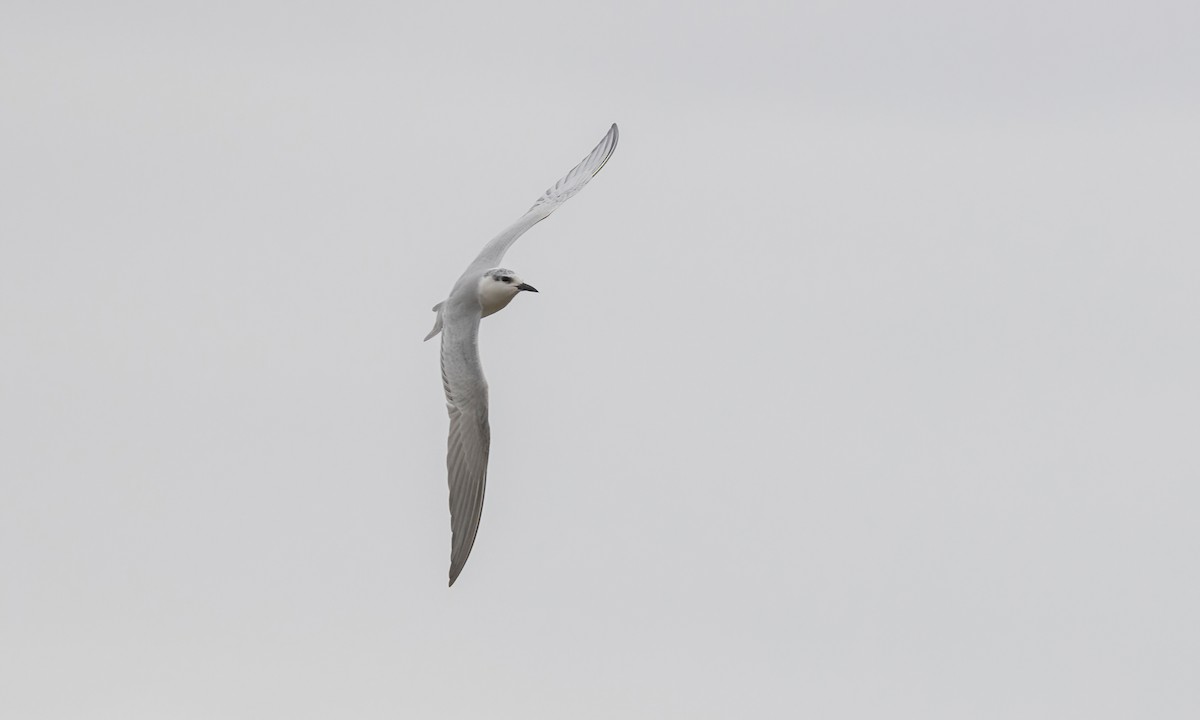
559 193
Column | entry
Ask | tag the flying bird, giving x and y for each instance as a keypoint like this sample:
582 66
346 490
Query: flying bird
486 288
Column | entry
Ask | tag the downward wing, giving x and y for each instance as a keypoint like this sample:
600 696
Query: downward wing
470 434
558 194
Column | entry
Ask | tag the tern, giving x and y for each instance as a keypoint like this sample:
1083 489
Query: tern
486 288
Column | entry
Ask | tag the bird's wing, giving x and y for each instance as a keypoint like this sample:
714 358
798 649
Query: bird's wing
470 435
558 193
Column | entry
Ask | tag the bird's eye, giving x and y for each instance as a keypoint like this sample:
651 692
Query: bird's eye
506 279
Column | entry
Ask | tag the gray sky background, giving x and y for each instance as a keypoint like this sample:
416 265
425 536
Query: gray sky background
861 384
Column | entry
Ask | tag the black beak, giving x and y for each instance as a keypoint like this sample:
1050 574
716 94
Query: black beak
526 286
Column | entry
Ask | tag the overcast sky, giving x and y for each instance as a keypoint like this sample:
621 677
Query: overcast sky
862 382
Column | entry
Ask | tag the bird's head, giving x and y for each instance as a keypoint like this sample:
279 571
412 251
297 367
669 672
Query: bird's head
498 287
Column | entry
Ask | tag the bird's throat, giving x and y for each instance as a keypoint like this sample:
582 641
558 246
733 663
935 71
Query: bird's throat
494 297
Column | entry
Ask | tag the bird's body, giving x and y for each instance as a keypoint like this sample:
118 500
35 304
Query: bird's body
484 289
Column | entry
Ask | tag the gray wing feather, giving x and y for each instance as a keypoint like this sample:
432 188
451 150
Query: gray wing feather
470 435
556 195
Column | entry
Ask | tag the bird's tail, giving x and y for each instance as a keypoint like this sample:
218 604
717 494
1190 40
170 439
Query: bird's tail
437 324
